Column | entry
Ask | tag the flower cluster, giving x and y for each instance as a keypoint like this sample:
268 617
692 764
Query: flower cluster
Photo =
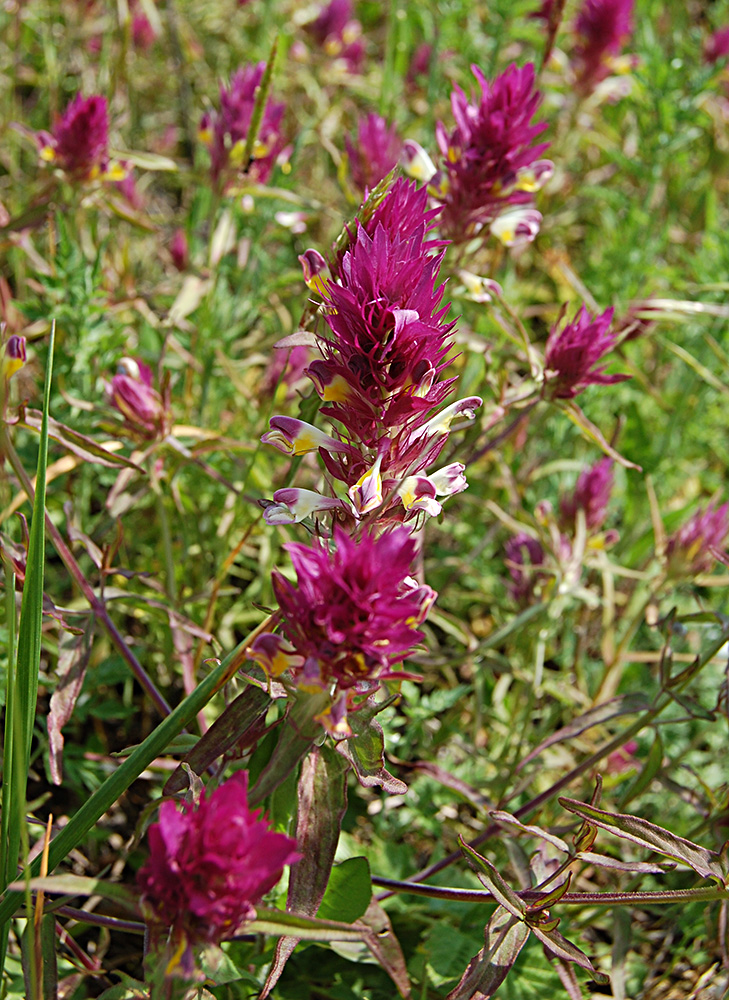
351 617
225 132
491 158
572 353
340 35
379 374
717 46
591 495
699 543
132 394
373 152
601 27
79 141
209 866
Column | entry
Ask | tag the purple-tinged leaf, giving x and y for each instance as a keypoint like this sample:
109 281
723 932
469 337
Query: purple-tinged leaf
564 949
78 444
322 802
551 897
644 867
239 725
506 819
73 657
490 877
567 976
298 733
504 937
690 705
365 751
626 704
385 947
704 862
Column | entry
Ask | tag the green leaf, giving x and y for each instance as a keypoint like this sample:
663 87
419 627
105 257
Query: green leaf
280 924
348 892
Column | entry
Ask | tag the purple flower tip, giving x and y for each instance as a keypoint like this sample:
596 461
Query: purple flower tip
601 27
699 543
573 352
210 866
373 152
79 141
592 495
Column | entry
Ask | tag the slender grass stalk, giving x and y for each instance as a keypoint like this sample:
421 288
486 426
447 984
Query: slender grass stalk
23 668
118 782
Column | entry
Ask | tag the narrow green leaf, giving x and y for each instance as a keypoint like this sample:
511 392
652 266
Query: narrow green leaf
703 861
280 924
493 881
80 885
260 103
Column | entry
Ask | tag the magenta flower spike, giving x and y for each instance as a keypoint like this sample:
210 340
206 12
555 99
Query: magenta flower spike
487 155
573 352
131 392
717 46
339 34
179 250
209 866
601 28
225 131
373 152
591 495
524 555
79 141
700 542
352 615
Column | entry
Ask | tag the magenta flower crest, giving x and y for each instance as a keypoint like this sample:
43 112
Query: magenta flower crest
373 152
490 155
210 865
717 46
132 394
524 555
79 141
601 28
574 352
384 346
700 542
591 495
225 131
351 617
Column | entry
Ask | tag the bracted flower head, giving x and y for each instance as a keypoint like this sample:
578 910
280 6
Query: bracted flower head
226 131
133 395
717 46
79 141
601 27
524 556
373 152
352 615
339 34
592 495
573 352
699 543
210 865
494 139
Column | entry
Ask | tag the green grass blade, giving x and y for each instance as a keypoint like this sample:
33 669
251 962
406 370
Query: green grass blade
23 668
31 609
117 783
